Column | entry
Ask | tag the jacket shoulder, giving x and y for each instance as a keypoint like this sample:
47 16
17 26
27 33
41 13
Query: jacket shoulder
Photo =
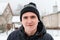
14 35
48 37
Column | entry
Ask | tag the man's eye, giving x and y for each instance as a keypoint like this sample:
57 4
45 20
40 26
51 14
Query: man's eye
25 17
32 16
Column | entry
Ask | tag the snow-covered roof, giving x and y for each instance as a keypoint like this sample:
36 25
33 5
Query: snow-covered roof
2 7
16 19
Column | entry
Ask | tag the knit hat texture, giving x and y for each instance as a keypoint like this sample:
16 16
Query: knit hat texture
31 7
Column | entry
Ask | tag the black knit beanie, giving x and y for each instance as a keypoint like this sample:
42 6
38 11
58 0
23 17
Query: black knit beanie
31 7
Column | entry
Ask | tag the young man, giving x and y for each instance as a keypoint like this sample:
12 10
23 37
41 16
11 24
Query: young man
32 28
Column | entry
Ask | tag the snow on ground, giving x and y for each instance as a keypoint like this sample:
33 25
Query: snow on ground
3 36
54 33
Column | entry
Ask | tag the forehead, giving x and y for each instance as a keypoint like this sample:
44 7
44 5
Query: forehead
29 14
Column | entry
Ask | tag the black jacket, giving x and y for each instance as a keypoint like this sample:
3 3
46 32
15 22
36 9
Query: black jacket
39 35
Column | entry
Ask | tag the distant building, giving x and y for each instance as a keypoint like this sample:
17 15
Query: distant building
9 17
6 17
52 20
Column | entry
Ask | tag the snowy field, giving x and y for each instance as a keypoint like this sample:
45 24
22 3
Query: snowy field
55 34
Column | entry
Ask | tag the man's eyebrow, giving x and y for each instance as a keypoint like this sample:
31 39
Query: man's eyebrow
32 16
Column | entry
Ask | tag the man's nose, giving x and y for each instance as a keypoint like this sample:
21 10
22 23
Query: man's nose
29 20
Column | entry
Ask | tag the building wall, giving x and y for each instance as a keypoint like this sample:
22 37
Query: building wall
7 14
2 24
2 20
51 21
47 21
54 20
58 19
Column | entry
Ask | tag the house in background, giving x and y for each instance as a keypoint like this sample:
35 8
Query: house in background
52 21
8 14
5 16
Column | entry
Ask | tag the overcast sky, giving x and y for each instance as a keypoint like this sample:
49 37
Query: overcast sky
42 5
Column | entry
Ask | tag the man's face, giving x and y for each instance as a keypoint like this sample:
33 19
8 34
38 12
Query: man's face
29 20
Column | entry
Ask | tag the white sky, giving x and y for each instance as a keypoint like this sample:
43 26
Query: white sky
42 5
